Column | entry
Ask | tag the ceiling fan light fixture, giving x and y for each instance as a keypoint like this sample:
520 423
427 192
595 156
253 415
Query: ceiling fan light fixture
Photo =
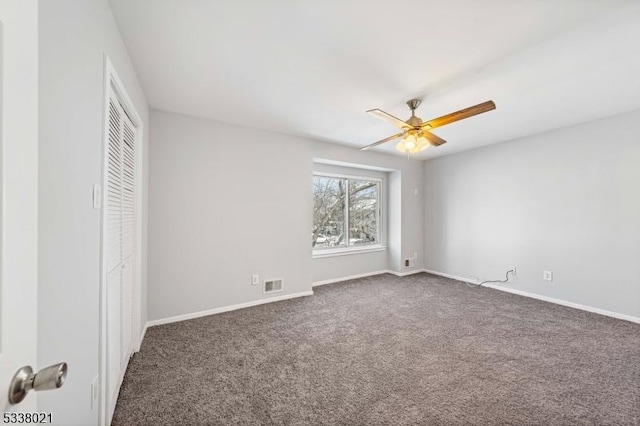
413 142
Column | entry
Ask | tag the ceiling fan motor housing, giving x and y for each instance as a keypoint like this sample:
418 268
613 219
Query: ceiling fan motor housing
414 121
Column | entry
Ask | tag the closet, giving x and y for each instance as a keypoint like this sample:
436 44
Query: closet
119 245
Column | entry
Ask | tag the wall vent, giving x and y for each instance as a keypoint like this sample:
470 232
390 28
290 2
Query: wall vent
273 286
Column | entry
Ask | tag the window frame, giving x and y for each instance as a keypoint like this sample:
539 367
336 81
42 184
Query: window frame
351 249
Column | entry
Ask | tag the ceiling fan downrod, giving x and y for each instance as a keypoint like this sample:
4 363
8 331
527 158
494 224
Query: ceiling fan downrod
413 104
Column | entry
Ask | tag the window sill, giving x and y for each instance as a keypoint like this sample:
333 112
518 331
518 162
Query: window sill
322 253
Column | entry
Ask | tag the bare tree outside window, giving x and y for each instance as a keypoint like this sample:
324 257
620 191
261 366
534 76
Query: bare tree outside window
345 212
328 212
363 212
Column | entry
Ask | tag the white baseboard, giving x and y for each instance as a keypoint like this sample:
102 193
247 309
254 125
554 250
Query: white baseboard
405 273
144 332
386 271
367 274
226 309
566 303
543 298
350 277
453 277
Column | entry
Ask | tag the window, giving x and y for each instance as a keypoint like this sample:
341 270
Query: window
346 212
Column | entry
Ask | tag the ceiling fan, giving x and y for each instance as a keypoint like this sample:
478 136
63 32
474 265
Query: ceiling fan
416 134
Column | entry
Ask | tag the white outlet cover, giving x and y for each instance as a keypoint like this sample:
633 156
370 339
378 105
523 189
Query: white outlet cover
547 275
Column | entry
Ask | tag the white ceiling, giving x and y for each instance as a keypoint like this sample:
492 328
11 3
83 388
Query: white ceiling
312 68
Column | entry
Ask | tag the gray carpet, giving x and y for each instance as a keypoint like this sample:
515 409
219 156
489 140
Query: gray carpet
419 350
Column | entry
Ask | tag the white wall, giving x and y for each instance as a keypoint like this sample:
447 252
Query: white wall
565 201
73 37
227 202
335 268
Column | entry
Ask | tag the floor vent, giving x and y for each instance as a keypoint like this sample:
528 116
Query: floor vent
273 286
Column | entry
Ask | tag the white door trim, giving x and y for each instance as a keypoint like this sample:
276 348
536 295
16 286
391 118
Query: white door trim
113 84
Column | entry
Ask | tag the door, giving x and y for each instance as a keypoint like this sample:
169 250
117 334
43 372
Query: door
18 190
120 201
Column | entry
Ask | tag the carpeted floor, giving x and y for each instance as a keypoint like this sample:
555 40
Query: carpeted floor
418 350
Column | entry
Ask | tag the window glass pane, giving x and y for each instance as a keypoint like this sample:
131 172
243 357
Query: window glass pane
363 212
329 212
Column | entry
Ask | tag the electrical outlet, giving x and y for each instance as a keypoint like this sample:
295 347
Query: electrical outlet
408 263
255 280
547 275
415 255
94 392
513 269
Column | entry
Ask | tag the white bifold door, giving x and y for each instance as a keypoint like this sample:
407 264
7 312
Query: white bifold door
119 245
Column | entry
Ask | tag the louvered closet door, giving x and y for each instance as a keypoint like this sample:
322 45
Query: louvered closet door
128 222
120 221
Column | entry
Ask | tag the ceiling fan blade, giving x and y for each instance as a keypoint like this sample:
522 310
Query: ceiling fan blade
433 139
390 138
378 113
459 115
